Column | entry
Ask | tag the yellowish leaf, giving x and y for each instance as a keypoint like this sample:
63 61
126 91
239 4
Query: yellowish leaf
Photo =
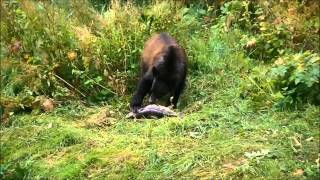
72 55
229 166
298 172
251 43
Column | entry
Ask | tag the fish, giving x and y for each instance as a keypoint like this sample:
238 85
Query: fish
153 111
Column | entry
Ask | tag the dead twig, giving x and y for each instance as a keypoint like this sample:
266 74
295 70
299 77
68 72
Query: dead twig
70 85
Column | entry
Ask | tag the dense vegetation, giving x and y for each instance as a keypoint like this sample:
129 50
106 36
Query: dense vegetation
250 109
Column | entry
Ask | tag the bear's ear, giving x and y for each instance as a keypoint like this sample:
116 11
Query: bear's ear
170 55
155 72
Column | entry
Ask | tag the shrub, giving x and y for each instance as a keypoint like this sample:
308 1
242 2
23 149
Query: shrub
297 77
282 27
258 89
64 49
292 81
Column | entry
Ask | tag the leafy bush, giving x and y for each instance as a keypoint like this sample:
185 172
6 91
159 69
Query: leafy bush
267 45
297 77
258 89
242 14
282 27
292 81
67 49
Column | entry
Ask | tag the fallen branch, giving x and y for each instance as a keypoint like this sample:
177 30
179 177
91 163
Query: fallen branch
70 85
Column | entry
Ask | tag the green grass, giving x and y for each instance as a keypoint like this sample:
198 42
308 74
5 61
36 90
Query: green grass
97 144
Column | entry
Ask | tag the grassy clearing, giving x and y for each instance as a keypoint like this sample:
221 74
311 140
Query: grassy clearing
218 141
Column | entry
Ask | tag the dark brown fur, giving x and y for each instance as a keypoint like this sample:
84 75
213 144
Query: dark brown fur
163 70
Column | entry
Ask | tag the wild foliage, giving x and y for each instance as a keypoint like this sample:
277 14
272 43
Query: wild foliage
49 49
297 78
68 49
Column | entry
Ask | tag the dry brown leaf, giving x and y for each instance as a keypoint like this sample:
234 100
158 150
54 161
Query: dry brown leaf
251 43
5 118
298 172
241 161
16 46
48 105
229 166
72 55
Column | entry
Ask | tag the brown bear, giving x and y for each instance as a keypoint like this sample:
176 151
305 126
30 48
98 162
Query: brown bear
163 71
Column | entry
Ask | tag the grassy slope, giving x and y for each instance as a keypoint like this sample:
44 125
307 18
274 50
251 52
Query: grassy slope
220 134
